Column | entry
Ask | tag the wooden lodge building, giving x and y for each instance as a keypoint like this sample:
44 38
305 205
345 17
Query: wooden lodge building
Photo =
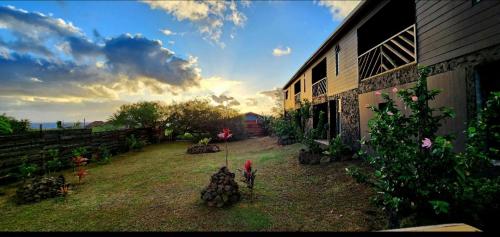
379 45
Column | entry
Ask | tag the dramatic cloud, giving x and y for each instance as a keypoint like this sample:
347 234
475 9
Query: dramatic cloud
279 51
339 9
207 16
275 94
48 60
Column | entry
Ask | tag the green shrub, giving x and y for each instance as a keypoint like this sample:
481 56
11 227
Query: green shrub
5 127
104 155
186 136
27 170
204 141
336 148
416 173
134 144
54 164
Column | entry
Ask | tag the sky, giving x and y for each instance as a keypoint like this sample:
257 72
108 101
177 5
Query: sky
70 60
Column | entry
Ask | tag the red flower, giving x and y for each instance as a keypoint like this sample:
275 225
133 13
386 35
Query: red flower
226 134
248 166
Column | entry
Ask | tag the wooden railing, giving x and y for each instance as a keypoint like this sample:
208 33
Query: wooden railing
319 88
297 98
397 51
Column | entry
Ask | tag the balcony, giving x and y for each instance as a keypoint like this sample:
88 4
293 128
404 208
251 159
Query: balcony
297 98
397 51
319 88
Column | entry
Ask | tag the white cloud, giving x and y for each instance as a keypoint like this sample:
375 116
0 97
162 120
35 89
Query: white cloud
279 51
207 16
167 32
339 9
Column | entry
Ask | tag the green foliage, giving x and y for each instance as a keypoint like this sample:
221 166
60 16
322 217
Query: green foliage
336 148
134 144
105 128
283 127
80 151
10 125
59 124
5 127
431 182
54 164
200 117
185 136
140 114
204 141
104 155
27 170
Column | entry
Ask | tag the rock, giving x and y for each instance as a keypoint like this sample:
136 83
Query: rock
198 148
38 189
307 158
324 160
222 190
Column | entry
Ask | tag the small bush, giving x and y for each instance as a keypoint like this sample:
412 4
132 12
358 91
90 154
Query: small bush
54 164
134 144
204 141
27 170
337 149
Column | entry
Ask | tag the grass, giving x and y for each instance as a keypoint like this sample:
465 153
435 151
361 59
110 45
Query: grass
158 189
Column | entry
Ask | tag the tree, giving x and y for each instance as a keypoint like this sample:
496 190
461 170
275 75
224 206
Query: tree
141 114
8 123
199 116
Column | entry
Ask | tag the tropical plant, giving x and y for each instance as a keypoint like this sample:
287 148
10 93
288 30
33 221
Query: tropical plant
225 135
204 141
10 125
27 170
54 164
80 151
134 144
337 148
416 173
5 127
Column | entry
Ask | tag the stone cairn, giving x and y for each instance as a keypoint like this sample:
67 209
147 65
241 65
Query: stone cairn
40 188
200 148
222 190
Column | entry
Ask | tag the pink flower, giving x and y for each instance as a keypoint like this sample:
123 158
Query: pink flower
225 134
414 98
394 89
378 93
426 143
390 113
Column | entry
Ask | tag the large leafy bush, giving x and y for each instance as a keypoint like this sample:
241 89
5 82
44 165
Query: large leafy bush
416 174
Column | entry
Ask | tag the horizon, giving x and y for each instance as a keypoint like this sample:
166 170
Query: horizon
73 60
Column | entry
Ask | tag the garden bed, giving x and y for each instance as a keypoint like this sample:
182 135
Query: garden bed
158 189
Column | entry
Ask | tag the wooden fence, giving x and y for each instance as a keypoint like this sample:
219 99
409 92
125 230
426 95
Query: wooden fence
35 146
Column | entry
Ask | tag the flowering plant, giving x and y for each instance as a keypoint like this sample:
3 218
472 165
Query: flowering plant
225 135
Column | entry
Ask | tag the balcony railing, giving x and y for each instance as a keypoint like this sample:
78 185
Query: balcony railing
319 88
397 51
297 98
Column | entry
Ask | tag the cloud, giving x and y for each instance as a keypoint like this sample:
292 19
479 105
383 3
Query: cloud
279 51
207 16
275 94
339 9
230 101
252 102
167 32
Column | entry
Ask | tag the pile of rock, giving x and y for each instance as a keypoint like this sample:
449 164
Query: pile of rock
199 148
38 189
222 190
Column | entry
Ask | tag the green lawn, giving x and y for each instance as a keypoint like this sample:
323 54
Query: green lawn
158 189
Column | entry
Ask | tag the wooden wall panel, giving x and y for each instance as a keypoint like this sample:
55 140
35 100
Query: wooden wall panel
449 29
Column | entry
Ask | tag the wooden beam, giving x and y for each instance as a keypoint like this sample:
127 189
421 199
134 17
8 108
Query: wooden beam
397 53
403 48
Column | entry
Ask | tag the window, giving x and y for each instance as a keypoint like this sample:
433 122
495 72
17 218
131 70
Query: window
286 95
296 87
304 82
337 53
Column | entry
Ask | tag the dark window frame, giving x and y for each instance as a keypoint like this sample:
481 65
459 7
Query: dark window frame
337 60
